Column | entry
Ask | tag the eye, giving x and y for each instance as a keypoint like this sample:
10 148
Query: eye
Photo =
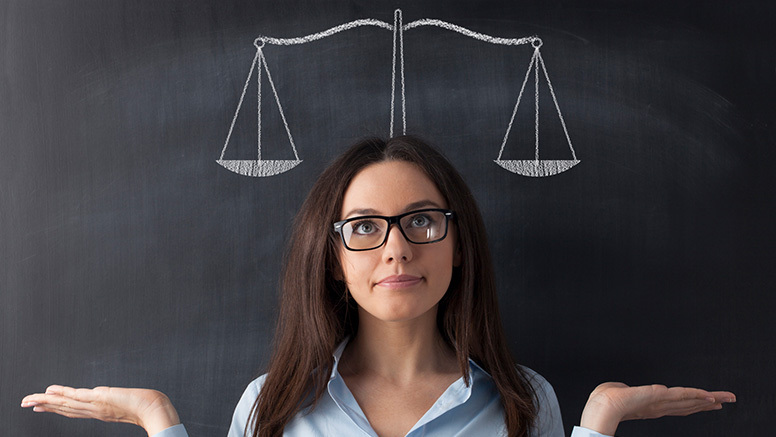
364 227
420 221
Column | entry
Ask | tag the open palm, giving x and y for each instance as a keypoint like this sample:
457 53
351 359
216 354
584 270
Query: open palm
147 408
613 402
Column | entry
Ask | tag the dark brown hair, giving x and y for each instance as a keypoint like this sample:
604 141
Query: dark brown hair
315 315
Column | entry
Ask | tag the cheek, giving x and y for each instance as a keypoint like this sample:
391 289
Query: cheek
442 266
448 273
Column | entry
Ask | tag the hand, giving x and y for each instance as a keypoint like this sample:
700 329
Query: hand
149 409
612 402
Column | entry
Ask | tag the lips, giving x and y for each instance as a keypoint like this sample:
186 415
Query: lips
399 281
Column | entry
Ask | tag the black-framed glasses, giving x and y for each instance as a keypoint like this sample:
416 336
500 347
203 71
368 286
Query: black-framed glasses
369 232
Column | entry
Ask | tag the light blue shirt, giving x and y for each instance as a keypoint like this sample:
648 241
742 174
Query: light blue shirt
461 411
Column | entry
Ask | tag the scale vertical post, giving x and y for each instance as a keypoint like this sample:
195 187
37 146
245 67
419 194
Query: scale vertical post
398 40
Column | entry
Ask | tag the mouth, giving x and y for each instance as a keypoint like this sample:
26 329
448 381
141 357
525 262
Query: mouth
399 281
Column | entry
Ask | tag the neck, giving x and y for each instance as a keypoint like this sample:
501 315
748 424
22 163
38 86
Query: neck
401 351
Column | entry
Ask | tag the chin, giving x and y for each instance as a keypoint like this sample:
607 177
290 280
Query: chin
402 312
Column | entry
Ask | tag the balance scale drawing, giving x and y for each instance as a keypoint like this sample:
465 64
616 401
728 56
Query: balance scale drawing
265 167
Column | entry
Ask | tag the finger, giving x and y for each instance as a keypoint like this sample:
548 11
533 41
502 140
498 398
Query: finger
684 407
50 401
78 394
724 396
36 398
687 393
607 385
55 389
30 400
677 394
692 409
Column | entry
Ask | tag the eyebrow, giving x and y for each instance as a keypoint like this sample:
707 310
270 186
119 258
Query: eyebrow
412 206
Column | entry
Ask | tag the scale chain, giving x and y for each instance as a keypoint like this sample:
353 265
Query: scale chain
519 96
258 106
536 92
239 104
557 107
277 99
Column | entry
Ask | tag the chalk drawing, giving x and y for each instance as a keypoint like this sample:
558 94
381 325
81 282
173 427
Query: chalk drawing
263 167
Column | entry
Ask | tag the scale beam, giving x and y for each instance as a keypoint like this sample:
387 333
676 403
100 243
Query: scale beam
387 26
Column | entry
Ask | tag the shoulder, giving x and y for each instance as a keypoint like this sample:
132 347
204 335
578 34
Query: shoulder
242 412
548 419
251 392
255 385
540 385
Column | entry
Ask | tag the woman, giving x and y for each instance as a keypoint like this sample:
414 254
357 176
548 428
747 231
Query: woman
389 324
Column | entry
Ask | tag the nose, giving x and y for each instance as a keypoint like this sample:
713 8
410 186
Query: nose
396 247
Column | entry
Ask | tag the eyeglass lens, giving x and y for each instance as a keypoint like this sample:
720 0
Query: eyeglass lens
369 233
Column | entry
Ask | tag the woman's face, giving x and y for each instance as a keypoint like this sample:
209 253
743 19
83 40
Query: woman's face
399 280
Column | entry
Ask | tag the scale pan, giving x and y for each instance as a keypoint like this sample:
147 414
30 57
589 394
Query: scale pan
259 168
534 168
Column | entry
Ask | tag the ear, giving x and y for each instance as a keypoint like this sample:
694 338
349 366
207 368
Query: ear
457 256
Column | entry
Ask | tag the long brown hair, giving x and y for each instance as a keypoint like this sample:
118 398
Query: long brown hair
315 314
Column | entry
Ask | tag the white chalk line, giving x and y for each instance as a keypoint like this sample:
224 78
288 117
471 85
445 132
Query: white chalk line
393 73
519 96
401 60
470 33
324 34
277 99
398 36
258 106
383 25
557 107
239 104
536 92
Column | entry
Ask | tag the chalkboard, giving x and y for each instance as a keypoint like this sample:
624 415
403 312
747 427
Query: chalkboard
130 257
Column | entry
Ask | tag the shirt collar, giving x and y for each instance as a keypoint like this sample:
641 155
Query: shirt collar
338 353
342 396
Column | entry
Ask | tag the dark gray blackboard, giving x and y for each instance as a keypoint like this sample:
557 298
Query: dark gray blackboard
129 257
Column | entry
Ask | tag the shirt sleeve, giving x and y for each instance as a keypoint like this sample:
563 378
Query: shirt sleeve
174 431
242 413
584 432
